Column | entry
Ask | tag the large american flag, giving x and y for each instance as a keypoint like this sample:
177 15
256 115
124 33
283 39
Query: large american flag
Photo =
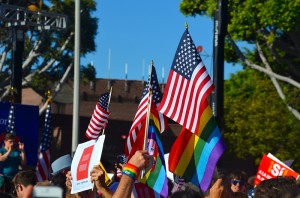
187 86
43 164
141 113
99 118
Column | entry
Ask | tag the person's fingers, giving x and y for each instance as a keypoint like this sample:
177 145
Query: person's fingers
218 182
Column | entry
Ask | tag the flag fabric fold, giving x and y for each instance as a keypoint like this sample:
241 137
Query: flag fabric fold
187 86
196 151
99 118
156 177
195 157
43 168
141 114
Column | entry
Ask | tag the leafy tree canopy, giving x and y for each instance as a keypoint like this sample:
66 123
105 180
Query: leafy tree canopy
49 53
262 105
256 121
275 25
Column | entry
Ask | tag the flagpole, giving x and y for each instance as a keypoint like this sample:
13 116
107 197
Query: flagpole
110 91
148 114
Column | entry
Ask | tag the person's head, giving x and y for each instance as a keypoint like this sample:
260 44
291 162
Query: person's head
238 181
187 193
10 140
280 187
24 182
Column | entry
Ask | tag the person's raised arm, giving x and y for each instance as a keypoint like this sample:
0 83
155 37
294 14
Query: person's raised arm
98 177
139 161
22 154
4 156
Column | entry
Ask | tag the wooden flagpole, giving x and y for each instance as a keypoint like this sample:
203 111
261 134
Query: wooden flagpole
148 114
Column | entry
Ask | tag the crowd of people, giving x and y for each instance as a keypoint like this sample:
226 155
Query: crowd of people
15 182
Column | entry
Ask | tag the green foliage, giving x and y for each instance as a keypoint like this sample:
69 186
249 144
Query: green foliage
256 119
53 46
268 22
88 73
40 83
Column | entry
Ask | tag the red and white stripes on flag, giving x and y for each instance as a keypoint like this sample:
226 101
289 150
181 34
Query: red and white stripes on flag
99 118
141 113
43 164
187 86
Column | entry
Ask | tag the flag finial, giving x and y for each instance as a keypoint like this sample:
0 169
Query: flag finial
186 25
48 94
152 62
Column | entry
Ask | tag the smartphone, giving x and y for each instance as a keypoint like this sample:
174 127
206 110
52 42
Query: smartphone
121 159
47 192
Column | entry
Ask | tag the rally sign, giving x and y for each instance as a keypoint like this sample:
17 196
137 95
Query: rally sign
271 167
87 155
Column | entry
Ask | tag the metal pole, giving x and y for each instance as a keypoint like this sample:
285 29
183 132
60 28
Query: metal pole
18 48
76 106
220 28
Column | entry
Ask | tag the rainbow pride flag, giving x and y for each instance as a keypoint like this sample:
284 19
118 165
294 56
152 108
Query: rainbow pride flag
156 177
194 156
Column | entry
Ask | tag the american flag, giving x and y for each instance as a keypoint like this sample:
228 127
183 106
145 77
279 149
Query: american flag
99 118
11 119
187 87
141 113
43 164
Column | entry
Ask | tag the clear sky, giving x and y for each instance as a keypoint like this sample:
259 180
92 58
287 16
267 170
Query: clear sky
136 32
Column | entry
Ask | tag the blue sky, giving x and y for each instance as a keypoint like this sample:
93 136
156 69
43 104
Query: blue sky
136 32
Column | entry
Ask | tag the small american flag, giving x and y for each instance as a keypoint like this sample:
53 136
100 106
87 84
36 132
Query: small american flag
187 87
99 118
11 119
43 164
141 113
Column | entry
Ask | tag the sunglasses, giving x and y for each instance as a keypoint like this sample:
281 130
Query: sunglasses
240 182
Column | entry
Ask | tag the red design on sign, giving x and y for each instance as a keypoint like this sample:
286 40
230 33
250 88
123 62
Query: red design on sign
83 165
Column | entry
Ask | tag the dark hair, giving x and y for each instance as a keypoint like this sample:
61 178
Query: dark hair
25 178
9 136
60 181
280 187
5 195
186 193
239 195
238 174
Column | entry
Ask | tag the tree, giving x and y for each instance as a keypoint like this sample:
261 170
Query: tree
263 37
271 29
48 55
256 121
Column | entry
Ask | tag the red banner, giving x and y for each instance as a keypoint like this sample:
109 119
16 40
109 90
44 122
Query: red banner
271 167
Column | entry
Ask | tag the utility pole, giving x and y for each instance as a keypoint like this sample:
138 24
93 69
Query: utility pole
76 105
19 19
220 29
17 53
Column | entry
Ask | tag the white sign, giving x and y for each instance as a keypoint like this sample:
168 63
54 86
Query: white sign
87 155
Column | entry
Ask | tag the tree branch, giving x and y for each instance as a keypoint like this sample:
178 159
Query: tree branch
275 83
58 86
261 69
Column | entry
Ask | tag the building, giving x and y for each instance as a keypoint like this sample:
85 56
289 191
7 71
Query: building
125 98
